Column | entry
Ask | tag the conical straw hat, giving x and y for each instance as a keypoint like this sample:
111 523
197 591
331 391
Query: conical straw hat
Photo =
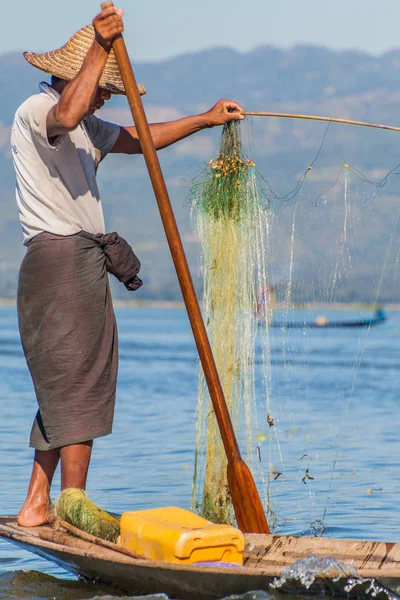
66 62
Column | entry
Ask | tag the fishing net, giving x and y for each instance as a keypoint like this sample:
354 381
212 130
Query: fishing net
299 255
229 221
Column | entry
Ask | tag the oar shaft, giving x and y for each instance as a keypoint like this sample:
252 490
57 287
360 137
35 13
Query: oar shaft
245 498
317 118
177 251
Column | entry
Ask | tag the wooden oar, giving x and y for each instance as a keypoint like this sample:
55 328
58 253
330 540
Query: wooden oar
245 499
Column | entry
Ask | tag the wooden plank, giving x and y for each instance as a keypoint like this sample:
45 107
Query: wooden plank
365 556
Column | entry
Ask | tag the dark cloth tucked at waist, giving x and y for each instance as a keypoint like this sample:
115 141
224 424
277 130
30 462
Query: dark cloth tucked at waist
121 261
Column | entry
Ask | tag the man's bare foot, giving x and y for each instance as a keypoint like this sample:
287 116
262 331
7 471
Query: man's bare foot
35 514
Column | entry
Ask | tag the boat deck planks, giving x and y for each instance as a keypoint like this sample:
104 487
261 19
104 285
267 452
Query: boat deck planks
371 559
265 558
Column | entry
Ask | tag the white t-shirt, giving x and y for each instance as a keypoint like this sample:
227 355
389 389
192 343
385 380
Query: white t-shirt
56 184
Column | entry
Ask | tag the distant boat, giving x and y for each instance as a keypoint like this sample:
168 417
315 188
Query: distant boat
378 317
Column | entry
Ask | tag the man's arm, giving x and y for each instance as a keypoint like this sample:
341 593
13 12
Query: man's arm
78 94
165 134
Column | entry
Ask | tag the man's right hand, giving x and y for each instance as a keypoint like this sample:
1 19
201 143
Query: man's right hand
108 25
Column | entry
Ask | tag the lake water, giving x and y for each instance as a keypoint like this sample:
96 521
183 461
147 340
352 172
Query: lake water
335 404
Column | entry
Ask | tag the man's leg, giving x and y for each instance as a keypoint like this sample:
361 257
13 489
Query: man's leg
35 510
75 461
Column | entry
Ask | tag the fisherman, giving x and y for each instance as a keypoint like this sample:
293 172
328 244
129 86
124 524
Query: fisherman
65 313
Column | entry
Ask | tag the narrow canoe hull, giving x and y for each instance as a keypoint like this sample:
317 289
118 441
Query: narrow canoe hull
127 574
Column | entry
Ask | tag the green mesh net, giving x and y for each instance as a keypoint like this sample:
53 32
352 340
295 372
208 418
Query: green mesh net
227 215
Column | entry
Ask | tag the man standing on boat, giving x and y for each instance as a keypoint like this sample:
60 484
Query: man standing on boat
65 312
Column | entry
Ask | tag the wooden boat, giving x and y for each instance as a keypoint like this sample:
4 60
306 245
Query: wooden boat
266 558
321 322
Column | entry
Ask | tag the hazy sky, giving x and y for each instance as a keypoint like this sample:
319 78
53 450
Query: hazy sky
159 29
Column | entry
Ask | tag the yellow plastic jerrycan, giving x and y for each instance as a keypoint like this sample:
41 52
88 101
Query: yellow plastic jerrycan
176 535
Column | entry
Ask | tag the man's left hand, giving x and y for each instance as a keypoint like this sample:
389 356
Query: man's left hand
224 112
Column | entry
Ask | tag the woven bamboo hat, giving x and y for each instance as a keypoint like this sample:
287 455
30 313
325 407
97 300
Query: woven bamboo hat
67 61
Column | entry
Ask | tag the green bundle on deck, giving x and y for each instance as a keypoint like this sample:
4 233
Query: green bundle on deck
75 508
230 222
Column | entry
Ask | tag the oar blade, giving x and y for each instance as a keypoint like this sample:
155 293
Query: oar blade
249 511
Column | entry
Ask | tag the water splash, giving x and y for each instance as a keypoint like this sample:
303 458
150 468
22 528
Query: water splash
259 595
306 571
373 588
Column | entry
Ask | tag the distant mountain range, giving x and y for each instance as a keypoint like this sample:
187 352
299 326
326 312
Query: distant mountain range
308 80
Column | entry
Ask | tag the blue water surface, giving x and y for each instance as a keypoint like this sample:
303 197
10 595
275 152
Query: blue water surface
334 400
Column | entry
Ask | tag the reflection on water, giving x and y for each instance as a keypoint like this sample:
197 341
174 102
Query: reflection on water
335 399
33 585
